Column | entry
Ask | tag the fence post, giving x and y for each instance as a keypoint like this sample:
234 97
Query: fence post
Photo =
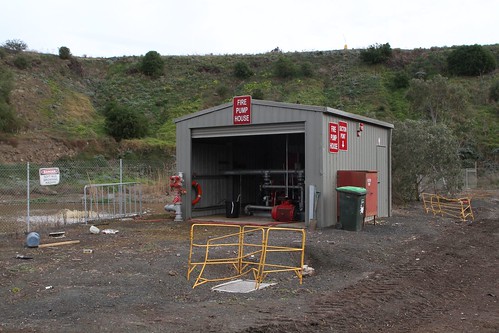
27 195
120 189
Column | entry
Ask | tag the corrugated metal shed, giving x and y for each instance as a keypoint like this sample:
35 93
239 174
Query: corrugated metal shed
287 143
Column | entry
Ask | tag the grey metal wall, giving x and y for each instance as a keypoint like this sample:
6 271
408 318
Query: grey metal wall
371 151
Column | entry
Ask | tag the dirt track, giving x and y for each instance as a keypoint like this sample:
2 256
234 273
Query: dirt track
412 272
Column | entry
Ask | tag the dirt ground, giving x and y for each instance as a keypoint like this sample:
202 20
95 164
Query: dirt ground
412 272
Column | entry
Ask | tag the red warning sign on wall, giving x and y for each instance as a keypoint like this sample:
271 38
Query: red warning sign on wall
241 110
343 135
333 137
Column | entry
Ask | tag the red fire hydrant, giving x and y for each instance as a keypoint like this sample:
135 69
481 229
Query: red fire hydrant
177 189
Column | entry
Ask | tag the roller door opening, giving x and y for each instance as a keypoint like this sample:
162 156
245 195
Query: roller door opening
257 172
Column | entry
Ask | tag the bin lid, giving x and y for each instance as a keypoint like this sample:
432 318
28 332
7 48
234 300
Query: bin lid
352 189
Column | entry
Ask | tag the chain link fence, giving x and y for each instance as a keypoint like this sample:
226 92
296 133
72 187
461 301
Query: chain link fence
481 177
30 200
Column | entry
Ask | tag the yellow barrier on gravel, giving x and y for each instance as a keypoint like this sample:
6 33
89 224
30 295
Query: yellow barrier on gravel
245 249
458 207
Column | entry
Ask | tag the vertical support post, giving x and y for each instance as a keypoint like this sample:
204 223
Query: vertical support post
85 203
27 197
120 189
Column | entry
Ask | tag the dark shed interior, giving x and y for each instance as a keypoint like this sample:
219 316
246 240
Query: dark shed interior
257 172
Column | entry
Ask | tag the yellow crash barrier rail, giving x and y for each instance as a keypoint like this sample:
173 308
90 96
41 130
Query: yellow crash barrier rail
271 248
246 249
454 207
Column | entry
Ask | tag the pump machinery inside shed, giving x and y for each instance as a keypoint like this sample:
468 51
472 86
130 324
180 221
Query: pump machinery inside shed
278 160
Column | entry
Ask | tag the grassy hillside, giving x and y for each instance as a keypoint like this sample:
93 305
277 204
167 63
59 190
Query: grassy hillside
63 100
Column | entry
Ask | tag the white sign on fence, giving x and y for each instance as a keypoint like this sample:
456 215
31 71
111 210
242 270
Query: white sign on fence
49 176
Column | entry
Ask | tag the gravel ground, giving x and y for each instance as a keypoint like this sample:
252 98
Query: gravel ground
411 272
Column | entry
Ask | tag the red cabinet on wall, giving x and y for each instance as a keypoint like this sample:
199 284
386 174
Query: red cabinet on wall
367 179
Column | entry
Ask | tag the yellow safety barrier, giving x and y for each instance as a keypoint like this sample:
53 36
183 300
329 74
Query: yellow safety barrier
271 248
246 249
458 207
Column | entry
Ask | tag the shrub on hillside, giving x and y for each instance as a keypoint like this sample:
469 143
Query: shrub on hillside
400 80
75 66
471 60
284 68
258 94
64 53
376 54
427 65
306 69
223 91
21 62
9 122
494 91
15 45
438 99
242 70
124 123
152 64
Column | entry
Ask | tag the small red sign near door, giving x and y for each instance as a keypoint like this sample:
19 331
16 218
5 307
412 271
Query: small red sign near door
343 135
333 137
241 110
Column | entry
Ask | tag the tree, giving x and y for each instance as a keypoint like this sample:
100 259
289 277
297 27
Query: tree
152 64
424 155
284 68
242 70
123 123
15 45
376 54
64 53
471 60
437 99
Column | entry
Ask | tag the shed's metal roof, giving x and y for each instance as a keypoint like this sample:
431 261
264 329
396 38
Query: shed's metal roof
303 107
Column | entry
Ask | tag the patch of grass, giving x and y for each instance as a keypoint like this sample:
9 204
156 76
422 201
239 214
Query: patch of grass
21 268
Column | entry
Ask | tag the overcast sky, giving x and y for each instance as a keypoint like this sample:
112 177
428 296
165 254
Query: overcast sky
108 28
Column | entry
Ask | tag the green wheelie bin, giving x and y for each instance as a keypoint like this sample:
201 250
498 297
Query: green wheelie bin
352 203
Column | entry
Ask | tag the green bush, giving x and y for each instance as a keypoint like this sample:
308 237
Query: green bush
258 94
284 68
152 64
223 91
64 53
242 70
471 60
400 80
376 54
21 62
9 123
494 91
124 123
306 69
6 84
428 65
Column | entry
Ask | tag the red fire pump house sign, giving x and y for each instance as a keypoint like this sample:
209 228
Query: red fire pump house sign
338 137
241 110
